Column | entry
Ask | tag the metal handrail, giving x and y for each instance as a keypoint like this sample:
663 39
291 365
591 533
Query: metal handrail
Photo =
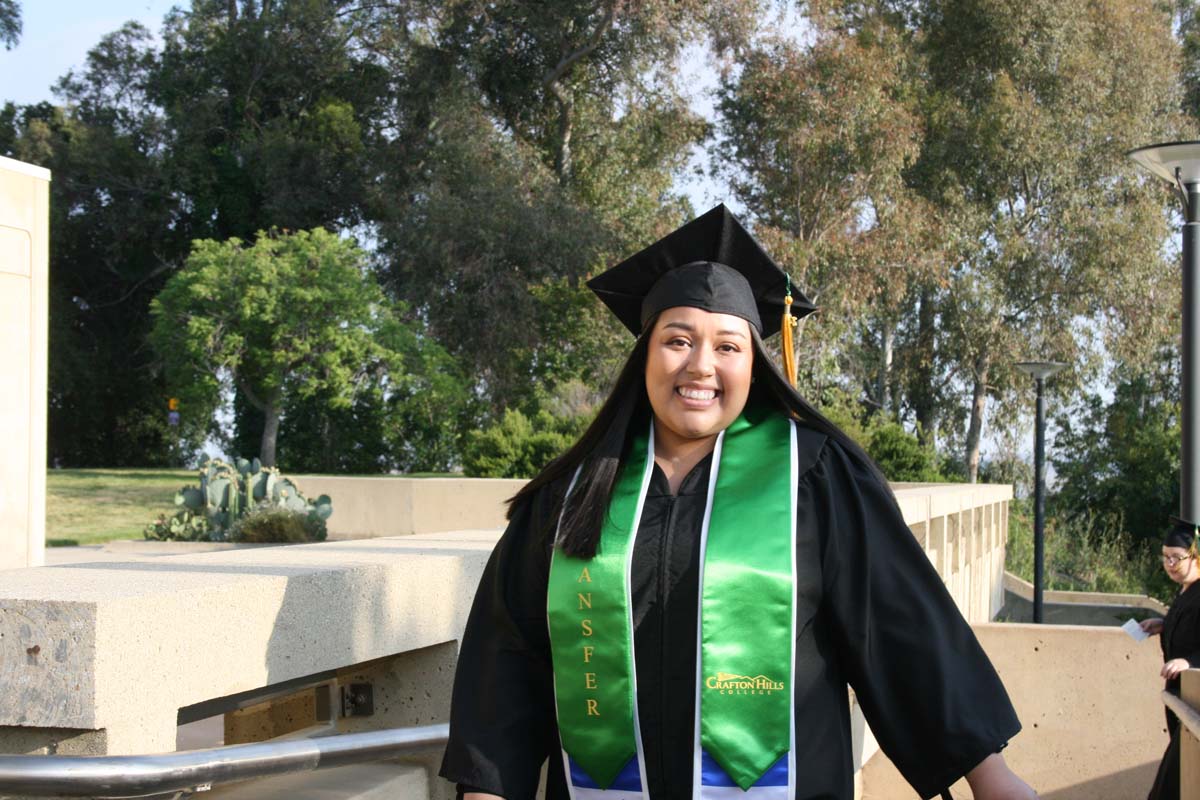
143 776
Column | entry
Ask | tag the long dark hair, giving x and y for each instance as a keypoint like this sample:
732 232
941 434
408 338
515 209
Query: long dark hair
599 452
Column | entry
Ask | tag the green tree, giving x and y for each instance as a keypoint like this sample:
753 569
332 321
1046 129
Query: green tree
547 68
274 111
488 226
815 139
290 315
1029 110
10 23
902 456
558 131
117 233
247 116
1117 461
948 178
411 414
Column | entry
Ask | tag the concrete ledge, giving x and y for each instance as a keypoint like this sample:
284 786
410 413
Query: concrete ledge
121 646
1024 589
385 506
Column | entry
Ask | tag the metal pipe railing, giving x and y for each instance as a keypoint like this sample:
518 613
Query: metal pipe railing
143 776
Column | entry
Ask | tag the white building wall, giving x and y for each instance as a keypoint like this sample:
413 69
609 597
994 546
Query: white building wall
24 266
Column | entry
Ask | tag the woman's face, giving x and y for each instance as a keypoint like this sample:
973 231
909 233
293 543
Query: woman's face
1180 564
698 369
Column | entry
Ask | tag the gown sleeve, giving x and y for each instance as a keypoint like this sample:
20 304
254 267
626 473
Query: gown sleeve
1185 639
928 691
502 710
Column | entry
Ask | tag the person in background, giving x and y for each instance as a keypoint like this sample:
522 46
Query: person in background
1180 639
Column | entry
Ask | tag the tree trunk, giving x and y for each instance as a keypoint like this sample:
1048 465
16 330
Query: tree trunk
921 394
887 337
978 405
270 432
562 160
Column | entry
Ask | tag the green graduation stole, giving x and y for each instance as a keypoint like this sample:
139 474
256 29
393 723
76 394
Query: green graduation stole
746 627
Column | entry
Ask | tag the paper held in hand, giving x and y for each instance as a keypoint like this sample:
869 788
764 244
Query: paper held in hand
1135 630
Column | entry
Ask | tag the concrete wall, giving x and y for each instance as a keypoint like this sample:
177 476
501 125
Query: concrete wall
98 658
385 506
1089 702
24 259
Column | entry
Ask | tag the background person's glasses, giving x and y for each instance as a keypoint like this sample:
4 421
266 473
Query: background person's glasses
1171 561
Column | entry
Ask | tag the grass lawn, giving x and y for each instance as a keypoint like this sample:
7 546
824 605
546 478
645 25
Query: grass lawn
90 506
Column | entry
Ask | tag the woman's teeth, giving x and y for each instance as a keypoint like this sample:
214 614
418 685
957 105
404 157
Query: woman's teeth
697 394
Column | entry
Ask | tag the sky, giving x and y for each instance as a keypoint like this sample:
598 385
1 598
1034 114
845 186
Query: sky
57 36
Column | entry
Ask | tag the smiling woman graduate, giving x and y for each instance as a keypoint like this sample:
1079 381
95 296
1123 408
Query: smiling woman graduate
680 599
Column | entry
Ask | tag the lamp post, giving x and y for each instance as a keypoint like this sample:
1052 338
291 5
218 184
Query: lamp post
1040 370
1178 163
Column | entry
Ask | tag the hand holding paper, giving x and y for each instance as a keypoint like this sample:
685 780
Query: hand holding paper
1135 630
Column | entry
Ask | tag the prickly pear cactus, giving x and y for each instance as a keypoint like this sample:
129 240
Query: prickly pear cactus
227 492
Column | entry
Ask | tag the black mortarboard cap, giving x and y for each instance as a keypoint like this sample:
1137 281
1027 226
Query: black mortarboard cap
712 263
1181 533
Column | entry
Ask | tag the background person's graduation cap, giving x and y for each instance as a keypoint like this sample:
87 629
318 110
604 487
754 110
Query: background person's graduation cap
711 263
1182 533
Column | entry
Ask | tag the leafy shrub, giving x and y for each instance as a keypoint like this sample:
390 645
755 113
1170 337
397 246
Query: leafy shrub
517 447
269 524
901 455
1121 458
1086 553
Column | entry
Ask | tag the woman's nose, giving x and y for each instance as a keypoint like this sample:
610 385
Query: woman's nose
700 362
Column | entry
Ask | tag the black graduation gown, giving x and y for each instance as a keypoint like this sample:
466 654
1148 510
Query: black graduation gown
872 612
1180 638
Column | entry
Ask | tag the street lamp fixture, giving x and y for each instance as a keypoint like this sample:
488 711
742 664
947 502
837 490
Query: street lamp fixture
1039 370
1178 163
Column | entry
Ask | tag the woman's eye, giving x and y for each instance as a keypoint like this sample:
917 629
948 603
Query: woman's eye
729 348
677 342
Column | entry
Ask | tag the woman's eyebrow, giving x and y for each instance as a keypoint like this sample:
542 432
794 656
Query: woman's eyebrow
687 326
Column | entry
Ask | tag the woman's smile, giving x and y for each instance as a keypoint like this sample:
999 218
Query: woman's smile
697 397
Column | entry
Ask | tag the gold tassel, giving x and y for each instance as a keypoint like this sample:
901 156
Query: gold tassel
789 350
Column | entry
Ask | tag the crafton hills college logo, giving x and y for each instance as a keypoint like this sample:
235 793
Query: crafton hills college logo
730 683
